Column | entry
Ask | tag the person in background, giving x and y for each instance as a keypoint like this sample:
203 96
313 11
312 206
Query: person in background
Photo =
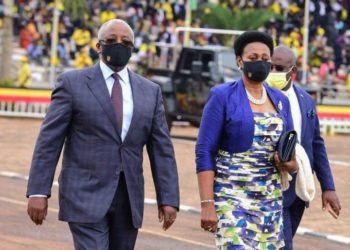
107 14
306 124
25 73
26 36
81 37
36 51
238 168
104 115
2 14
62 53
83 59
348 78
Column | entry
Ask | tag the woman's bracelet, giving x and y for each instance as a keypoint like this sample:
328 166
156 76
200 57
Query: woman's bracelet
207 201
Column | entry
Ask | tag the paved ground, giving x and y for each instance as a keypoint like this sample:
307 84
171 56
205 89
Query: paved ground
16 231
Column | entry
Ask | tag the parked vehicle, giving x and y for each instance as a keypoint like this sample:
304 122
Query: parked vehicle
186 75
186 89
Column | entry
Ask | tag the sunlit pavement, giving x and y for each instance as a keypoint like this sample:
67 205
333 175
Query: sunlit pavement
17 138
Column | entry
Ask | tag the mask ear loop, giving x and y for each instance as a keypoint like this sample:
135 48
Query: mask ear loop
290 78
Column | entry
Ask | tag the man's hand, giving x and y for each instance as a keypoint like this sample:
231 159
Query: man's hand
167 215
37 209
331 202
289 166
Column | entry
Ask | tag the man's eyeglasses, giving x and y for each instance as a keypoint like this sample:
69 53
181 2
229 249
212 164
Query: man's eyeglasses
113 41
280 68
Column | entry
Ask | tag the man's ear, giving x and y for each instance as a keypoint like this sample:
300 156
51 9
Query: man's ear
294 70
98 48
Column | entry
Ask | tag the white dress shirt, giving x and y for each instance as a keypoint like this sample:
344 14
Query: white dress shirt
295 108
128 105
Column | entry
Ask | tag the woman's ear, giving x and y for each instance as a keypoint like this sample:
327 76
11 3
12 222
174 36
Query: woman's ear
239 62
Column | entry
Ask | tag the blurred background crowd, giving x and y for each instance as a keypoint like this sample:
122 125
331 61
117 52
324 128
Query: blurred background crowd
156 20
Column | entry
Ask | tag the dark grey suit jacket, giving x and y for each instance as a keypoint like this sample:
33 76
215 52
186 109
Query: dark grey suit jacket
82 118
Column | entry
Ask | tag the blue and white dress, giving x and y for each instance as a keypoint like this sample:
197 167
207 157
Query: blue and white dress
248 192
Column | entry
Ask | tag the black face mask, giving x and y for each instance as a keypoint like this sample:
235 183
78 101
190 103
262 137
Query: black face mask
116 55
256 71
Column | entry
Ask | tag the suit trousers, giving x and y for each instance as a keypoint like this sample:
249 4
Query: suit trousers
114 232
291 219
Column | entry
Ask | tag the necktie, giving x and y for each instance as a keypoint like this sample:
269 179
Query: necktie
117 100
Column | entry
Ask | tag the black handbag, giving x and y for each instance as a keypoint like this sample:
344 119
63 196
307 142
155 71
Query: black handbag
286 145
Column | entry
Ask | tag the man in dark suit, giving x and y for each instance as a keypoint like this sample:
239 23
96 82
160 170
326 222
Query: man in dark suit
104 115
306 124
179 11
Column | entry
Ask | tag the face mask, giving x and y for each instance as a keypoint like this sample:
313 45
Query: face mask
278 80
116 55
256 71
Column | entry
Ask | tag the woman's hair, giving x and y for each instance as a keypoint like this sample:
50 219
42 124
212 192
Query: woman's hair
251 37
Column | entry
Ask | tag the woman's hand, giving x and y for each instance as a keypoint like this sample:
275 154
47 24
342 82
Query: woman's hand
289 166
209 219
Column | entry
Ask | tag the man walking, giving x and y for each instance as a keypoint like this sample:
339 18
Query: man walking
307 126
104 115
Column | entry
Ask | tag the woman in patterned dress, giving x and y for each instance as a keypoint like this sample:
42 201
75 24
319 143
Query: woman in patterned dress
237 165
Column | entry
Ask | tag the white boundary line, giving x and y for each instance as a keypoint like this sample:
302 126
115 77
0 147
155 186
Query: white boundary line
177 238
340 163
301 230
183 141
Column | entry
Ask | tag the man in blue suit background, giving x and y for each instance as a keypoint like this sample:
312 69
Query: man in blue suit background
306 124
104 116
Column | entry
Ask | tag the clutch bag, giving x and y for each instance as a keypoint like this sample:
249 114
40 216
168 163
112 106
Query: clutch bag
286 145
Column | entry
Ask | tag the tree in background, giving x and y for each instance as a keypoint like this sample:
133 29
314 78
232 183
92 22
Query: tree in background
75 9
221 17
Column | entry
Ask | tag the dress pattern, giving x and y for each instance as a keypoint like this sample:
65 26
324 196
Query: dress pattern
248 192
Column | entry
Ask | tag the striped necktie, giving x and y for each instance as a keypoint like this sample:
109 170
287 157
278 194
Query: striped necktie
117 100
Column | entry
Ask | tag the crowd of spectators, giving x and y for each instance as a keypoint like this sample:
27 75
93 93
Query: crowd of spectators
152 21
329 37
156 20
